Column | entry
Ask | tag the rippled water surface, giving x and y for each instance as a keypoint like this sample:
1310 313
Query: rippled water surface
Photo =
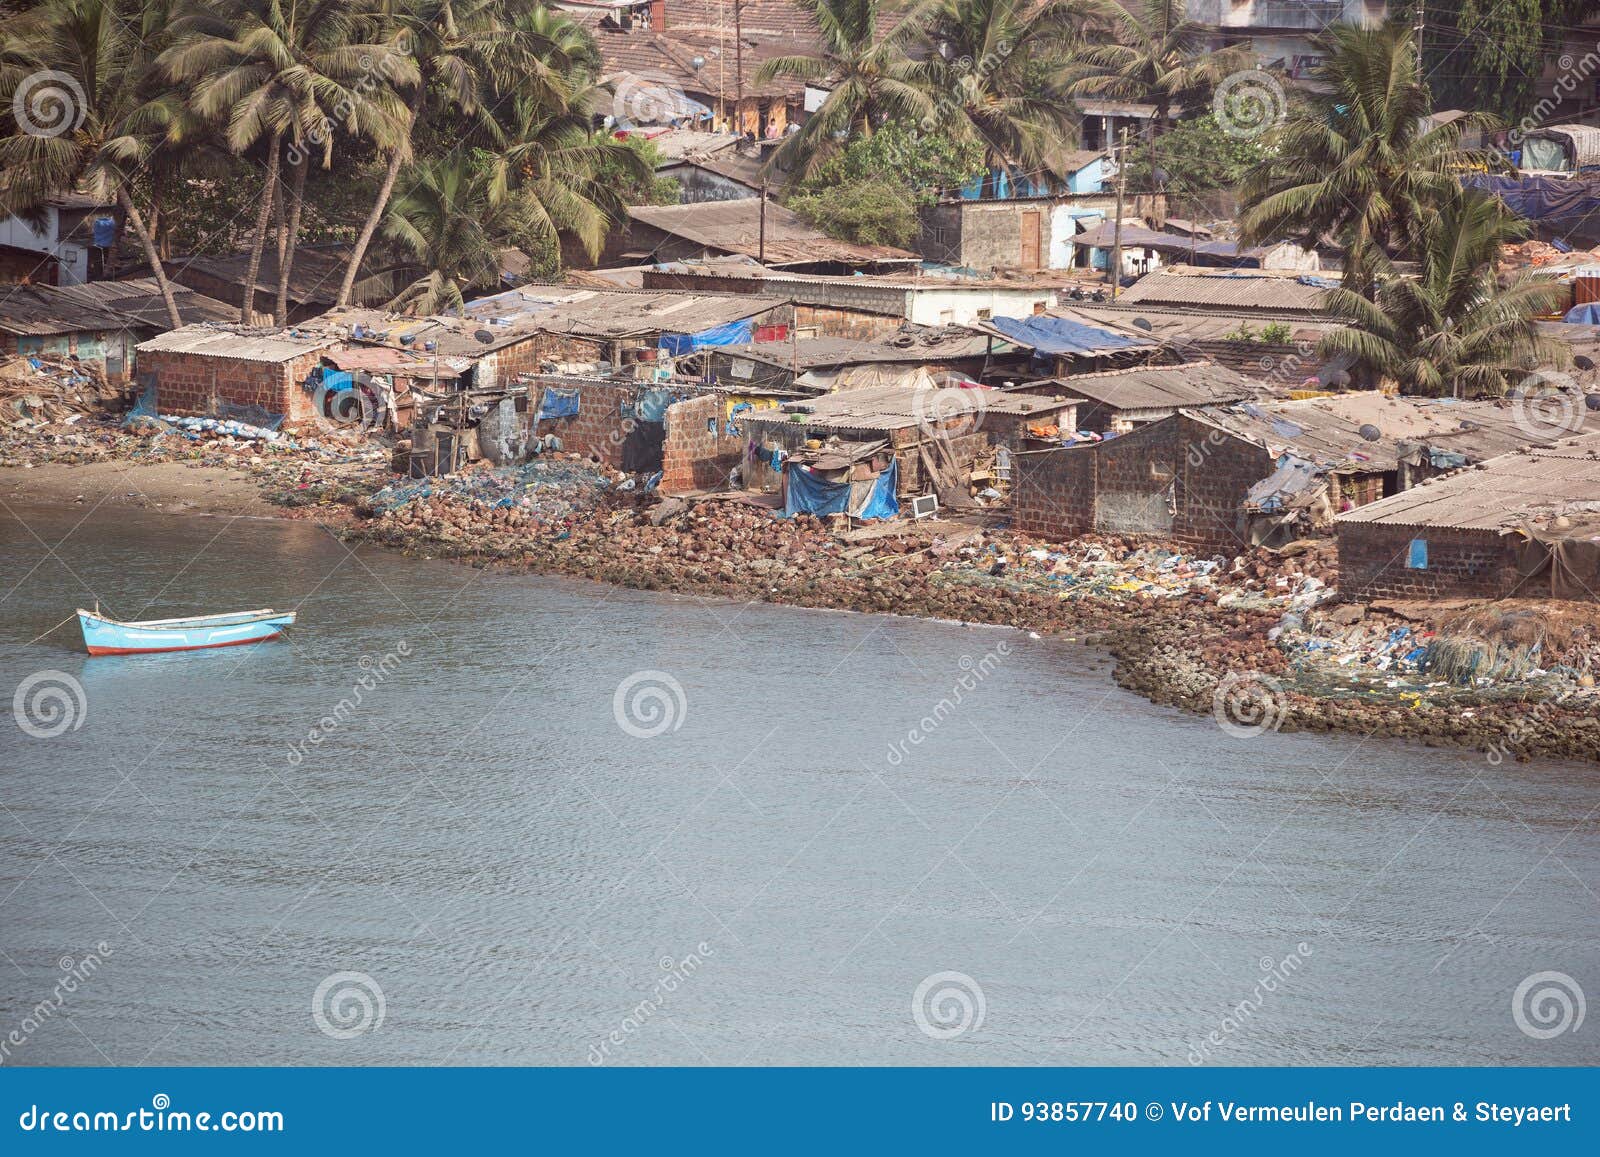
826 822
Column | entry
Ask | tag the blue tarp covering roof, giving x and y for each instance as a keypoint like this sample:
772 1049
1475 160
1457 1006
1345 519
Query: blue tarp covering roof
1563 206
733 333
1586 314
1059 335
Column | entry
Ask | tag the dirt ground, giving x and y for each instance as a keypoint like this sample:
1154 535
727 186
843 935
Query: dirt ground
170 487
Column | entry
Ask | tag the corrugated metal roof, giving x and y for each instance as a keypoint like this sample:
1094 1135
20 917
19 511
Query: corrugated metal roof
900 407
1516 489
248 345
1327 431
735 227
912 345
43 310
1253 290
1161 388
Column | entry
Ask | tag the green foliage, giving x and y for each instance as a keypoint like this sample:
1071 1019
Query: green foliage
868 211
1277 333
1243 333
1488 54
923 163
1451 328
1197 156
634 178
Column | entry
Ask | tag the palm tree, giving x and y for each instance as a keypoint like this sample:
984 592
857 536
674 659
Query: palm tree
871 75
291 71
550 161
1451 328
1158 56
1354 162
1012 102
445 217
77 74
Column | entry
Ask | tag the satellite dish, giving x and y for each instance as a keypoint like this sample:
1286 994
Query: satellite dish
697 62
1592 401
1143 324
1370 432
485 336
1583 362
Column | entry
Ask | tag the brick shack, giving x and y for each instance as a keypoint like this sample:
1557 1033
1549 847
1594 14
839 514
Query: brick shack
941 440
231 370
1523 524
905 355
1118 400
1223 477
773 235
101 323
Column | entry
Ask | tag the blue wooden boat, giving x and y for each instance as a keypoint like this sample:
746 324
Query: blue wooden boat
105 636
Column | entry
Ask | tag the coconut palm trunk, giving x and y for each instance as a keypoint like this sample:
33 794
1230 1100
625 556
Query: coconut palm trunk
131 213
291 228
380 205
247 303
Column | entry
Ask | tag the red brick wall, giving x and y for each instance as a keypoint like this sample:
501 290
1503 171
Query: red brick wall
698 457
1461 563
187 383
1052 492
1215 471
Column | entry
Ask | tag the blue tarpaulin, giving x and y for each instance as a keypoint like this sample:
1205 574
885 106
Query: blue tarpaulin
1058 335
652 404
807 493
734 333
558 403
105 232
882 503
333 381
1586 314
1564 206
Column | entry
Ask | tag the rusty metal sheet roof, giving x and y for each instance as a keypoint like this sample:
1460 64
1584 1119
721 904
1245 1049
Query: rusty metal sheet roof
1524 487
42 310
1144 388
735 227
900 407
1228 289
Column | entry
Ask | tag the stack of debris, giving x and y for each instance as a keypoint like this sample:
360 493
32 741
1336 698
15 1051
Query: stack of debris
36 392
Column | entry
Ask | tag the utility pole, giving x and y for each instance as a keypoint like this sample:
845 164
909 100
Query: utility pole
1116 229
761 243
738 68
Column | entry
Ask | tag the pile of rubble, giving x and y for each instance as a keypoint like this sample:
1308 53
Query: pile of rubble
37 392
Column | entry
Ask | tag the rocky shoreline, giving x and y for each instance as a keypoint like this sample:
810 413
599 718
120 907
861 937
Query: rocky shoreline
1238 638
1186 651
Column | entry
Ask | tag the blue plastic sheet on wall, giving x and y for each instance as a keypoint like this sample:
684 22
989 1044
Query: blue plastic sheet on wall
105 232
558 403
652 405
1586 314
1417 554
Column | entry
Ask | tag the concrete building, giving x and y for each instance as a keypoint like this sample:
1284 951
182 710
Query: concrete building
54 244
1280 31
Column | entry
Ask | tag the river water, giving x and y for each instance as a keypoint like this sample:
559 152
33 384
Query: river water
427 829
